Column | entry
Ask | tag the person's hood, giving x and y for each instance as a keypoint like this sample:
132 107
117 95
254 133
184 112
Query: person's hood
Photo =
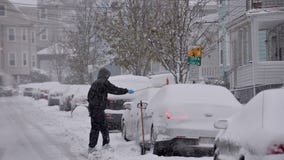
103 73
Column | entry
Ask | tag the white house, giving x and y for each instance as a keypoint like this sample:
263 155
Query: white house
255 46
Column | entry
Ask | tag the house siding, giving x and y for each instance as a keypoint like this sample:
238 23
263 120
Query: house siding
18 21
236 8
269 72
244 76
259 70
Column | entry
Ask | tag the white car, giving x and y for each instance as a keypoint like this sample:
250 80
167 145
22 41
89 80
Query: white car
179 118
254 133
131 118
80 98
114 109
68 95
55 94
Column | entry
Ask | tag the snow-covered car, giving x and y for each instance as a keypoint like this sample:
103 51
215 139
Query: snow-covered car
131 119
254 133
115 108
28 91
179 118
40 94
54 98
6 85
68 95
79 98
55 94
7 91
113 113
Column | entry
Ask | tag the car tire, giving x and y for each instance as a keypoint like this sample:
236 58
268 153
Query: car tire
123 132
242 157
152 137
215 157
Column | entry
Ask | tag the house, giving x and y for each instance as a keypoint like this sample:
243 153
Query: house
17 42
53 60
50 18
255 46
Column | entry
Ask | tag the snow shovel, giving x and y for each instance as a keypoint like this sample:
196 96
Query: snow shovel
142 106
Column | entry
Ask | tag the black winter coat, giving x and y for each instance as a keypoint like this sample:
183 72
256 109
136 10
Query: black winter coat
97 95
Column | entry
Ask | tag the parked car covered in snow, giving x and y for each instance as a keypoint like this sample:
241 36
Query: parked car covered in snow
79 99
179 118
131 119
68 95
55 94
115 108
28 91
6 85
53 98
40 94
6 91
254 133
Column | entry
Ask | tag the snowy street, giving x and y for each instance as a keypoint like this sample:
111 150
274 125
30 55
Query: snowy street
32 130
23 138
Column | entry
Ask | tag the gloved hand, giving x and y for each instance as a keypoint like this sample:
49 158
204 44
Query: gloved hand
130 91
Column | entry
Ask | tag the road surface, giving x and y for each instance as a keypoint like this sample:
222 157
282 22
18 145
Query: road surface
23 139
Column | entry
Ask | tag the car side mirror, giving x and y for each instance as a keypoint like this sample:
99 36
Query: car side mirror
221 124
127 105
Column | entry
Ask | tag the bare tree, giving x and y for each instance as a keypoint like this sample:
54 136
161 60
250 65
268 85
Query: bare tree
178 28
125 27
140 31
83 40
59 54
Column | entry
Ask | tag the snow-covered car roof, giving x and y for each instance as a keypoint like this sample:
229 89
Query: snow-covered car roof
129 82
259 121
161 79
194 94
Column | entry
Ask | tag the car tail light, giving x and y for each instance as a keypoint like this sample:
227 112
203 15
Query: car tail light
170 116
276 149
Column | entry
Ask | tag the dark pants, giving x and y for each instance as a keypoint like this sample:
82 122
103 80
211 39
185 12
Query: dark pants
98 123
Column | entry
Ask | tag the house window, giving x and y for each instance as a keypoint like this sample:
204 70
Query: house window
2 10
262 45
11 34
24 34
43 13
272 43
33 37
245 48
25 60
33 61
43 35
221 57
12 59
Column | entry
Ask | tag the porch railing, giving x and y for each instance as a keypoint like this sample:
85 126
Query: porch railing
255 4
